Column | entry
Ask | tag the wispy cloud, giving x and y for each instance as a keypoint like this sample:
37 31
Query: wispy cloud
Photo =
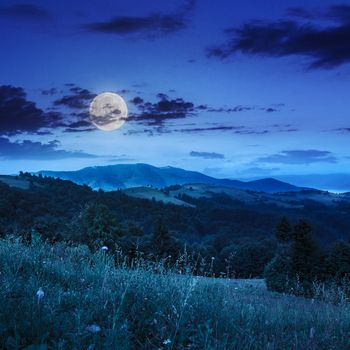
153 25
78 98
299 157
33 150
25 12
207 155
156 114
323 46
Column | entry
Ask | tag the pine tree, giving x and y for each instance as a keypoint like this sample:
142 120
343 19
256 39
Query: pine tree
284 231
278 273
338 261
303 251
160 237
162 243
97 226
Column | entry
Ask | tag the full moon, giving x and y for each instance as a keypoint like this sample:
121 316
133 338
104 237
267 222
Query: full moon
108 111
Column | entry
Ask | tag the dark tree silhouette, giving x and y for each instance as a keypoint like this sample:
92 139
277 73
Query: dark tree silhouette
284 230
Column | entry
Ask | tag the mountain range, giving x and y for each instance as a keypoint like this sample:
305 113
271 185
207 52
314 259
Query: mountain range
122 176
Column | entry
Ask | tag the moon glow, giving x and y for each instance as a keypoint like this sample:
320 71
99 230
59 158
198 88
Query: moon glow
108 111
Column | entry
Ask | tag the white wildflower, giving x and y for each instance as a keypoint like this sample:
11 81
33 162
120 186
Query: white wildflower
104 248
167 341
312 332
93 328
40 295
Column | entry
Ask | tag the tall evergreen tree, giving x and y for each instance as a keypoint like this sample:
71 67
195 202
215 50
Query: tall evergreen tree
284 230
303 251
338 261
97 226
163 244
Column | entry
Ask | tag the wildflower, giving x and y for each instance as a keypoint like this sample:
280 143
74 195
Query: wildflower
212 258
93 328
312 332
104 248
167 341
40 295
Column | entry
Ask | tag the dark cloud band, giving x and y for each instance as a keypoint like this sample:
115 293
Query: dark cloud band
323 46
153 25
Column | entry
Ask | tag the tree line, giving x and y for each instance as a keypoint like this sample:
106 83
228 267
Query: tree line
220 235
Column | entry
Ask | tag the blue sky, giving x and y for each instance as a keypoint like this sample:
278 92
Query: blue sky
233 89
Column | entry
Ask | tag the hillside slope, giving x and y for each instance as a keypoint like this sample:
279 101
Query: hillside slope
91 304
206 211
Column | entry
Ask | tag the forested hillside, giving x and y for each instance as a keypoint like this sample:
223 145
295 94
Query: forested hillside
218 228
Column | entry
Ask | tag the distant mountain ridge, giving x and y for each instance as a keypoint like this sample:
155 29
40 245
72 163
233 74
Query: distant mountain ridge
122 176
328 182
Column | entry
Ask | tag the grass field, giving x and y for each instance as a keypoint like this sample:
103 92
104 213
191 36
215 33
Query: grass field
91 304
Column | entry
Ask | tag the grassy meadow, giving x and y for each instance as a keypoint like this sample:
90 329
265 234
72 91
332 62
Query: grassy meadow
92 301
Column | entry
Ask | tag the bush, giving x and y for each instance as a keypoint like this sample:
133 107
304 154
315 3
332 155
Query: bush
278 272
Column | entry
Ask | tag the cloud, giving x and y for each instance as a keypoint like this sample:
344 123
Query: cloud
207 155
324 46
19 115
270 109
335 13
33 150
24 11
299 157
78 122
343 130
137 100
299 12
238 108
78 98
237 130
155 114
241 108
82 124
49 92
153 25
340 13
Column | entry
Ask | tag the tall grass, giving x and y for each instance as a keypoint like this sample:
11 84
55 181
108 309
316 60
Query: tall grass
91 302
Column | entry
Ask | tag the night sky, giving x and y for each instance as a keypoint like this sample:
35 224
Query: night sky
238 89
